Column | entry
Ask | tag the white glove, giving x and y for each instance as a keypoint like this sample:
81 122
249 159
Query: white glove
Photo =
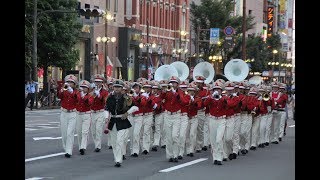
173 90
92 85
269 108
155 106
80 89
254 109
70 89
234 94
274 111
82 94
192 98
135 94
215 92
260 98
145 95
97 93
133 109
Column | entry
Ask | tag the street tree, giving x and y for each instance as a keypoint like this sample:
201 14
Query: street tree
57 32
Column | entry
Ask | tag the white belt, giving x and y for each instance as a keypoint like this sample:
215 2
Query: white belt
149 113
172 113
184 113
228 117
215 117
66 110
101 110
87 112
117 116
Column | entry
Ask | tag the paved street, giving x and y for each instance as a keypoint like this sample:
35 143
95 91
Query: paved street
45 160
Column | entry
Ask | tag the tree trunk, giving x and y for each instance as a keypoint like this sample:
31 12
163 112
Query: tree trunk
45 80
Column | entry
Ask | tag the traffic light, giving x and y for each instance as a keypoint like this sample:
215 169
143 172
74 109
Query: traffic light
92 12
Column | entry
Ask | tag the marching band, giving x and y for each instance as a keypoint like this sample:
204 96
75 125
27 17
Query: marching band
182 116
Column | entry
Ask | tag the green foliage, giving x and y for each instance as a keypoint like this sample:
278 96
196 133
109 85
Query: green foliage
58 33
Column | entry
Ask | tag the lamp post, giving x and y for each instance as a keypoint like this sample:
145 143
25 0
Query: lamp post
107 17
182 33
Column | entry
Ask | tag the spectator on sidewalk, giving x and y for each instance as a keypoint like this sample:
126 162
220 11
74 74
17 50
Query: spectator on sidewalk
30 88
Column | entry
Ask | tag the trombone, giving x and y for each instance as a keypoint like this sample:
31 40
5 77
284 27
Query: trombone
265 97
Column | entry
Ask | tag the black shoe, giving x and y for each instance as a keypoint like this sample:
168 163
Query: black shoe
266 144
123 157
145 152
67 155
243 151
179 157
205 148
164 146
110 147
275 142
253 148
82 151
97 150
262 146
209 145
117 164
175 159
219 163
215 162
230 156
171 160
134 155
246 151
198 151
280 139
188 154
284 134
225 159
154 148
234 155
191 154
259 145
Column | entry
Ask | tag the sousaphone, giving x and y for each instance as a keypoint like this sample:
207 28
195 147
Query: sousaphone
182 69
236 70
256 80
164 72
204 69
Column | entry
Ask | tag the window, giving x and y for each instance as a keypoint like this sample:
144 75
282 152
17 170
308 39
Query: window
108 5
115 5
250 12
154 17
96 50
87 6
96 19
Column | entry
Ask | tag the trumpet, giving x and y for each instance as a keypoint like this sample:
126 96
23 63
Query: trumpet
265 97
169 88
217 96
65 87
131 92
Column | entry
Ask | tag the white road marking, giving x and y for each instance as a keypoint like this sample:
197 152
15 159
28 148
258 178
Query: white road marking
37 178
47 127
43 157
30 129
292 126
47 138
183 165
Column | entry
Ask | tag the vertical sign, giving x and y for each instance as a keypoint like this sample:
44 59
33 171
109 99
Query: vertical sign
214 35
270 20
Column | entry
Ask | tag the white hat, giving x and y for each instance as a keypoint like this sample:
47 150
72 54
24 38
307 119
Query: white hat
84 83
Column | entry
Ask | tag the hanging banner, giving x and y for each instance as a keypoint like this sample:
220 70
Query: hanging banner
270 20
109 70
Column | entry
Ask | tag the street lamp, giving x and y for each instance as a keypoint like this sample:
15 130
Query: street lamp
182 33
107 17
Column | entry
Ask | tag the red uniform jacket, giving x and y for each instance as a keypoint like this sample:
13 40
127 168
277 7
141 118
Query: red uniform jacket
193 107
184 100
84 104
172 102
238 108
100 102
157 99
68 100
218 107
252 102
137 102
202 93
147 104
232 102
281 102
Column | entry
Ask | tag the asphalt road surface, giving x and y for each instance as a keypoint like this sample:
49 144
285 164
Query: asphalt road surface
45 159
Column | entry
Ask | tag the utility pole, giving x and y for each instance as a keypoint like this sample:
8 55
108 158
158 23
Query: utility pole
147 63
34 49
106 47
244 31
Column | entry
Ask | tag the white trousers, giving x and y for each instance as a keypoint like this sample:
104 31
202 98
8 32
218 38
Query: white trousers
282 116
235 137
117 142
245 131
97 127
206 140
183 133
129 137
255 131
262 129
200 130
171 128
146 137
216 132
158 130
83 126
228 135
275 127
136 134
191 135
67 127
268 127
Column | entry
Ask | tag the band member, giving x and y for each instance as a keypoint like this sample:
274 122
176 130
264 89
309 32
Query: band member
264 104
270 108
137 118
158 116
232 101
147 105
68 96
110 91
184 99
275 125
280 105
118 105
201 93
248 108
217 122
164 86
193 106
172 119
256 123
237 119
98 114
83 115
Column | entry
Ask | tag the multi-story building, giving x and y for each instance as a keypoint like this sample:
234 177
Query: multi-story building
165 19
